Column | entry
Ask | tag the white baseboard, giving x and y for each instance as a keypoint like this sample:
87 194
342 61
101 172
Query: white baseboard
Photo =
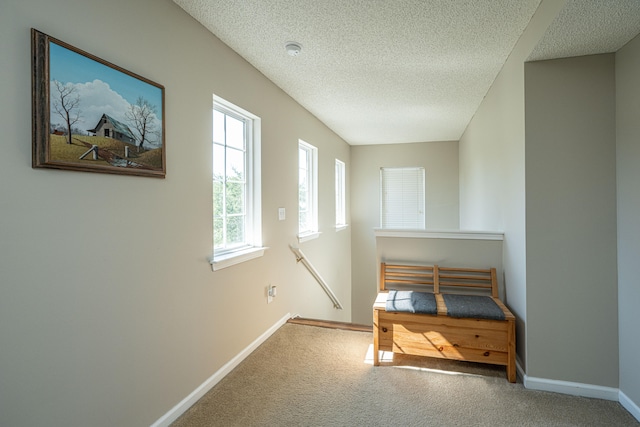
195 395
629 405
578 389
571 388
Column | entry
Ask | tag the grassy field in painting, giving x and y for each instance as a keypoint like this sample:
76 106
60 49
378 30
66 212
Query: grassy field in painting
63 152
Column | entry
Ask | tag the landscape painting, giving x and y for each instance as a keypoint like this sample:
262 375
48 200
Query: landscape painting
90 115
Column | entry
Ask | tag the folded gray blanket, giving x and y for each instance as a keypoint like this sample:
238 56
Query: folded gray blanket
412 302
472 306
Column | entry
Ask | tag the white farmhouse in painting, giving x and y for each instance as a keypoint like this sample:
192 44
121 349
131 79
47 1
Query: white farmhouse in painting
112 128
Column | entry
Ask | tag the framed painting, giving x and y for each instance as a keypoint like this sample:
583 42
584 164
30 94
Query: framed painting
93 116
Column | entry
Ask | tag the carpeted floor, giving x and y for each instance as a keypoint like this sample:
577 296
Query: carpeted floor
312 376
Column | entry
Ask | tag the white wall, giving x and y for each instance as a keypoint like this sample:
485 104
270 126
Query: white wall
492 191
492 181
628 208
109 311
492 167
440 160
571 220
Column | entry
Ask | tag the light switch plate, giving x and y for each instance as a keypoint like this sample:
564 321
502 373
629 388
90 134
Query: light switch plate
281 214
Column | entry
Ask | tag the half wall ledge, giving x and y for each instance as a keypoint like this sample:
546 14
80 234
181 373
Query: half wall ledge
436 234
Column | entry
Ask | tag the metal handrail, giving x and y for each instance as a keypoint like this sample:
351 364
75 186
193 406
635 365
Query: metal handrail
301 258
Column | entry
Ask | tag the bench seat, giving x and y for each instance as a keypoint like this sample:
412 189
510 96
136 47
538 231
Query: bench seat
466 325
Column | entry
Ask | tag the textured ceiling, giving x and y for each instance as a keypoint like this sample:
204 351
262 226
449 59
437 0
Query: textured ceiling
587 27
381 71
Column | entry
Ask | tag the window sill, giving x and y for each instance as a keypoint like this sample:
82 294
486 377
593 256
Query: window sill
341 227
308 236
233 258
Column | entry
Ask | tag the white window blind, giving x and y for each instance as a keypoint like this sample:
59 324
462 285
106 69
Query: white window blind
402 198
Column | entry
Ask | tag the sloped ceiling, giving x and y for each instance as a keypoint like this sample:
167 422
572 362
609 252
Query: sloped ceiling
379 71
588 27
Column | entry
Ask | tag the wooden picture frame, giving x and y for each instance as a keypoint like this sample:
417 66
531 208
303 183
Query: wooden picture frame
93 116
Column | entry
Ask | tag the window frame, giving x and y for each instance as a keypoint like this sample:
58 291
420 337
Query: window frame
405 181
311 232
251 247
341 194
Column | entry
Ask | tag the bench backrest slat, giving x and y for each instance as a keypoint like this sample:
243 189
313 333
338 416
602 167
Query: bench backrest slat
439 279
412 275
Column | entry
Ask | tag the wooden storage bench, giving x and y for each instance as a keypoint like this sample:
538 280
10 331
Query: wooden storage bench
451 313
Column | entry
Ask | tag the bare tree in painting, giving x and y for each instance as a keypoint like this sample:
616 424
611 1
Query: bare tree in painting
66 105
142 116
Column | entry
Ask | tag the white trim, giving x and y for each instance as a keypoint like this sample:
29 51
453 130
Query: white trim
571 388
203 388
308 236
312 191
341 193
233 258
232 107
629 405
341 227
426 234
578 389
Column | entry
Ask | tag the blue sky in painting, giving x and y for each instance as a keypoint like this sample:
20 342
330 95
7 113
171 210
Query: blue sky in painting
67 66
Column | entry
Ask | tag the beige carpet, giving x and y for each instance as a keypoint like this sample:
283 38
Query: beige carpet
312 376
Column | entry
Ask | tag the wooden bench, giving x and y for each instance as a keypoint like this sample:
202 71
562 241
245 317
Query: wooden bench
458 328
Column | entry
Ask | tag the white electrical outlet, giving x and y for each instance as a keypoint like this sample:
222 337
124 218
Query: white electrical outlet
271 293
281 214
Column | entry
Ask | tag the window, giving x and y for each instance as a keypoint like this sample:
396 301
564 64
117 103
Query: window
237 230
341 209
402 198
307 191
